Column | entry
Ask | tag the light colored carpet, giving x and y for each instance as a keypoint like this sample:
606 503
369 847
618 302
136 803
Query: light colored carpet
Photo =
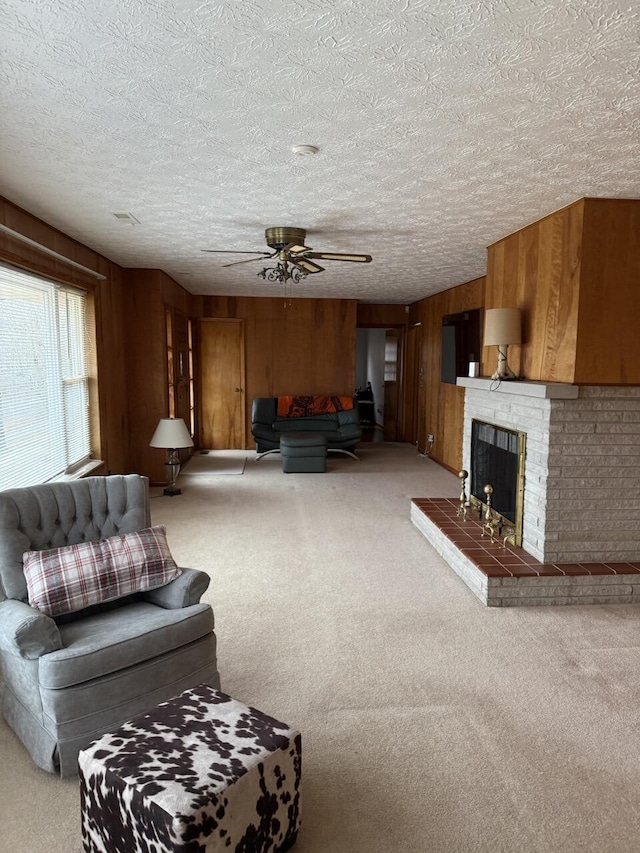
430 723
213 462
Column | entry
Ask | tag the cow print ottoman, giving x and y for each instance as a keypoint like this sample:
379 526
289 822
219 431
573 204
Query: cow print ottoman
200 773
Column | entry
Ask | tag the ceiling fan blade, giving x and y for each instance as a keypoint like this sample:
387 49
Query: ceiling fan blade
295 249
306 265
234 252
248 261
333 256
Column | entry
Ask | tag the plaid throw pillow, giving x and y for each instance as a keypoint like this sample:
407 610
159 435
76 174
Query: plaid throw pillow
63 580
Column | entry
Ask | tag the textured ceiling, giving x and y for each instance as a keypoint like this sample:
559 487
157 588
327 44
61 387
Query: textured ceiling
441 126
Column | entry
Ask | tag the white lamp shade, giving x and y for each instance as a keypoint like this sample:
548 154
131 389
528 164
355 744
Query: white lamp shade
502 326
171 433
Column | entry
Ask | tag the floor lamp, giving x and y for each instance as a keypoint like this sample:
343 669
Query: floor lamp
502 326
172 434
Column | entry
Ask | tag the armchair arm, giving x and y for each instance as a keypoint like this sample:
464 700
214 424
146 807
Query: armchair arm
349 417
263 410
26 632
184 591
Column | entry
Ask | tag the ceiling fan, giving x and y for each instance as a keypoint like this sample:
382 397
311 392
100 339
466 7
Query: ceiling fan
294 259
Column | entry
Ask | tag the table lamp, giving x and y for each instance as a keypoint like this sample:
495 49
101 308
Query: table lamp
502 326
172 434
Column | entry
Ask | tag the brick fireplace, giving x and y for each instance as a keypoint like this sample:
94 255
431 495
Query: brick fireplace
581 508
582 466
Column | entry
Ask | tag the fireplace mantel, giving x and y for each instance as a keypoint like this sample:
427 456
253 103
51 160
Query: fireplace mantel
523 388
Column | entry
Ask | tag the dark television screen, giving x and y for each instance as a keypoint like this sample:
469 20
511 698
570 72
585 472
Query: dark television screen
460 344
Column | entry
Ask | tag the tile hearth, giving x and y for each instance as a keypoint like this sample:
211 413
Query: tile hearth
506 576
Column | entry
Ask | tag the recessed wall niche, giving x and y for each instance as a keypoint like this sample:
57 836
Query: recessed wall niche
460 343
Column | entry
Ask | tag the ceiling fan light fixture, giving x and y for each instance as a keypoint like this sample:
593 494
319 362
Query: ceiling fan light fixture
283 273
305 150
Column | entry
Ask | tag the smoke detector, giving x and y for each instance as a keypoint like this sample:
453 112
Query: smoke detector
305 150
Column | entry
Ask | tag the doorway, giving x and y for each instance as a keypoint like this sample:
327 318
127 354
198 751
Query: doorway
221 380
378 364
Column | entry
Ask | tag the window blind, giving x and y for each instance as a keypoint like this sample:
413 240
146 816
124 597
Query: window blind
44 400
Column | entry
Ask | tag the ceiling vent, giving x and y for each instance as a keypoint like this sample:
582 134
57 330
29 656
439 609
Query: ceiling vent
127 217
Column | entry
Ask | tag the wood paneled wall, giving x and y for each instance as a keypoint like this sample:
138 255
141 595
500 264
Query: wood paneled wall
149 293
306 346
608 339
537 269
382 315
575 274
112 369
441 405
108 304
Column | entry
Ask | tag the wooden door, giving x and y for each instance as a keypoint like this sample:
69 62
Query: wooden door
221 384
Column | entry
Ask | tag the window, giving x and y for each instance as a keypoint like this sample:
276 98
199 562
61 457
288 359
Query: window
44 386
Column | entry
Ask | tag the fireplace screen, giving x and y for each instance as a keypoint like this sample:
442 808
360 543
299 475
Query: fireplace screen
497 459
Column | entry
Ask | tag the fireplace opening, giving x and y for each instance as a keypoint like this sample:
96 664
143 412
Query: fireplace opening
497 459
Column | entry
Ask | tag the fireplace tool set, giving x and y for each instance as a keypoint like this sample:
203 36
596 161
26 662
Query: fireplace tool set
492 522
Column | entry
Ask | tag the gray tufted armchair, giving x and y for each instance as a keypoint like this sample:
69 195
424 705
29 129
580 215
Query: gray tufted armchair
70 678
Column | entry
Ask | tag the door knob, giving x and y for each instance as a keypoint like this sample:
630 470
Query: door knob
238 390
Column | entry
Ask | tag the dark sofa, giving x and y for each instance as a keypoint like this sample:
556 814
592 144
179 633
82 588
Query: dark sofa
342 429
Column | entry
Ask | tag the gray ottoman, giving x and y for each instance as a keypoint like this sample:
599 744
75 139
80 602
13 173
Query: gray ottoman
303 453
199 772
